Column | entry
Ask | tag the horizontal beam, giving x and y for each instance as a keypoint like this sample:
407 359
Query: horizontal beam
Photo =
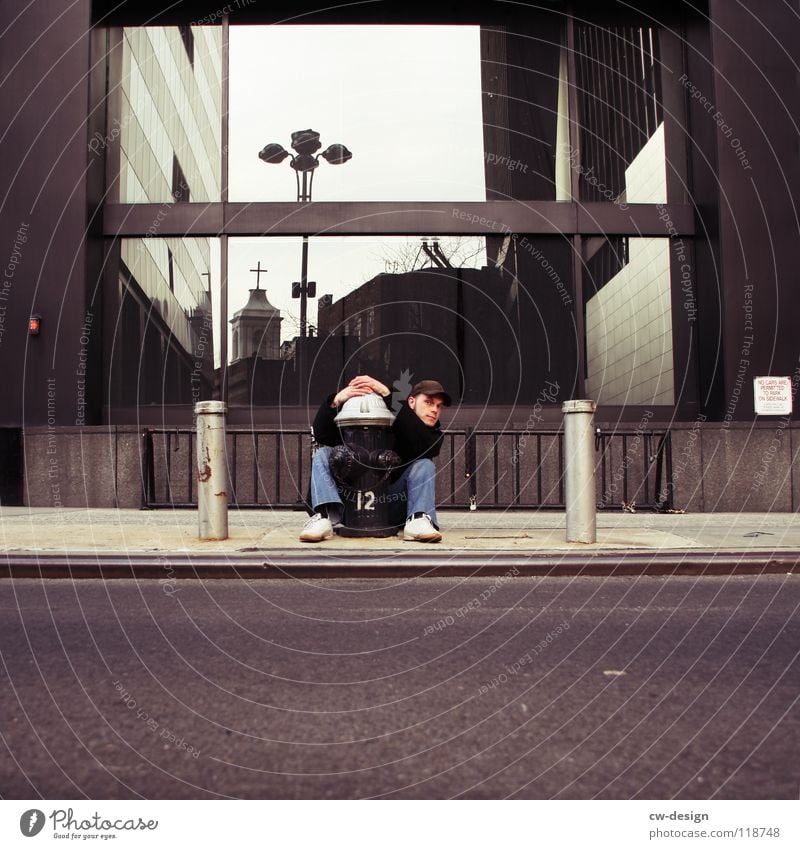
288 12
402 218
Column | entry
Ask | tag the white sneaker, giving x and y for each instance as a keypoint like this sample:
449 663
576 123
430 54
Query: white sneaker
420 528
316 529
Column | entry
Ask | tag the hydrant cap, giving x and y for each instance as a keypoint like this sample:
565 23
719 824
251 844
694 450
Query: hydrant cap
364 410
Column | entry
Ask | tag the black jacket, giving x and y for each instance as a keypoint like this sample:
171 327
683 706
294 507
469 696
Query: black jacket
413 439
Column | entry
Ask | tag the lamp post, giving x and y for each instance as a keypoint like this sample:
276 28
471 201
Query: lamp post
305 143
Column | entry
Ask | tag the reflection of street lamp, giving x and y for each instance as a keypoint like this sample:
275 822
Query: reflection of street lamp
305 143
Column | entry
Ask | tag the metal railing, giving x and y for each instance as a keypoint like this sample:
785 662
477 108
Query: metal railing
477 469
266 468
635 469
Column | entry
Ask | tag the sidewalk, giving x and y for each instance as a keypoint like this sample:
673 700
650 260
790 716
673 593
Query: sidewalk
108 543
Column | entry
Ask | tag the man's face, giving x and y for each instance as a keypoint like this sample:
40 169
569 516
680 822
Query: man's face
427 407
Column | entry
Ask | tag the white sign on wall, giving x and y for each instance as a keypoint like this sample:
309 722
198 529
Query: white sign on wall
773 396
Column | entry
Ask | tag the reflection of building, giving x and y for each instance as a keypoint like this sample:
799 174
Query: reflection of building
169 142
629 352
257 370
256 329
525 130
608 317
461 325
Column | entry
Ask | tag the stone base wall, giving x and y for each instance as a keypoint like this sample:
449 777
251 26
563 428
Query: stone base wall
743 467
749 468
82 467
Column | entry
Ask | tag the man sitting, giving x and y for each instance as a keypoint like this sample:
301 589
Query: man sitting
418 439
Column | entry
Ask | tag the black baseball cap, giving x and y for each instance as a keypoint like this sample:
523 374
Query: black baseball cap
431 387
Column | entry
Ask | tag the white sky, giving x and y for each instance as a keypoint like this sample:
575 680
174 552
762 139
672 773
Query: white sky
405 100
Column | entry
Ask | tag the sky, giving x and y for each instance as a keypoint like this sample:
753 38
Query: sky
406 100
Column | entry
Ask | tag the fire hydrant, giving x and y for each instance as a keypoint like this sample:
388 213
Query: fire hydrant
362 466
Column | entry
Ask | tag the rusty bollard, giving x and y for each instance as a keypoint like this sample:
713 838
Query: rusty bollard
212 470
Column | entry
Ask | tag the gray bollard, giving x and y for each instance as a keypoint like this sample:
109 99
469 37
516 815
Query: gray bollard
579 471
212 470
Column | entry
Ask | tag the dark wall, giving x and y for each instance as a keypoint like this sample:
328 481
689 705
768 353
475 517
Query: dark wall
44 60
755 52
701 146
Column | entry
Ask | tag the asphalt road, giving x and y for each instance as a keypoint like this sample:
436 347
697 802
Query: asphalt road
610 688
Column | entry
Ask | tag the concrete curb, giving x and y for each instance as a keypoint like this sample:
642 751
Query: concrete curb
275 564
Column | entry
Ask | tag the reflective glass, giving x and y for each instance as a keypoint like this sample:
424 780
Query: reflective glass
493 321
629 348
621 157
160 325
169 126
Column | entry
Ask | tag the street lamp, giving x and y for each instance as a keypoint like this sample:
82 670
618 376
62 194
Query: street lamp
305 143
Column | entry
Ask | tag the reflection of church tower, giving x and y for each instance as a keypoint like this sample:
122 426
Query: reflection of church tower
256 328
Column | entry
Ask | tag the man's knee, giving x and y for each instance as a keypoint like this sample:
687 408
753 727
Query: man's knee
422 469
322 456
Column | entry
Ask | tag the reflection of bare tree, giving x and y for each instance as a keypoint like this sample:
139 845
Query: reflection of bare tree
445 252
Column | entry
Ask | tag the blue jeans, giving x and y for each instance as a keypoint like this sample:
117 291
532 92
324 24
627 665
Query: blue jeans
416 488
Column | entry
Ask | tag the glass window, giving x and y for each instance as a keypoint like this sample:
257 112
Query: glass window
476 112
492 318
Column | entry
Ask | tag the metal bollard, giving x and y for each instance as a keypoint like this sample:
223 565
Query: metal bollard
579 471
212 471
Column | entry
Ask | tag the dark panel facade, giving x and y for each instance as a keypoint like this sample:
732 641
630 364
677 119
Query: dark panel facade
755 124
44 64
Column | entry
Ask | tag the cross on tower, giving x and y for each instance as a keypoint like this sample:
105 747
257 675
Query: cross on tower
258 271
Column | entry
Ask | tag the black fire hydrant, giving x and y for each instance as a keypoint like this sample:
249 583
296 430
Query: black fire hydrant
362 466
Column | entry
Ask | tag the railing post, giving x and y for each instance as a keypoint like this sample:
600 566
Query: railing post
212 473
470 466
148 470
579 471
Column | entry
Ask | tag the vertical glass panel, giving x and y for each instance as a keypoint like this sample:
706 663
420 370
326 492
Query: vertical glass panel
619 99
629 351
169 122
525 108
159 346
493 321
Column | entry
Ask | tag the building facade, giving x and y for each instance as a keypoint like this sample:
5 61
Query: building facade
640 222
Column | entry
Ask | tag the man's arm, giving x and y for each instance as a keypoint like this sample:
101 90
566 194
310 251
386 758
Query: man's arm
326 431
367 384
